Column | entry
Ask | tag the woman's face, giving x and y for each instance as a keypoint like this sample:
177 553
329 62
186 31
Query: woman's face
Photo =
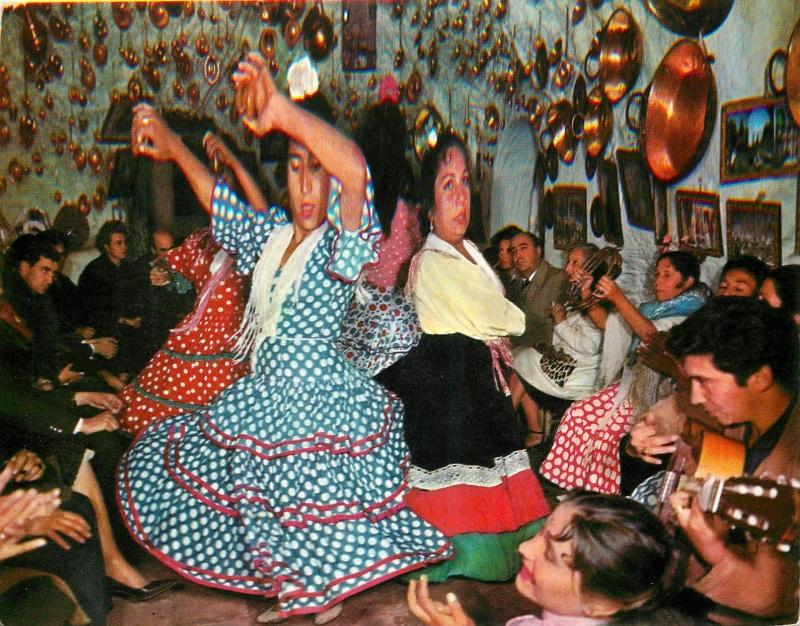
309 185
668 282
504 254
547 577
451 197
769 294
575 261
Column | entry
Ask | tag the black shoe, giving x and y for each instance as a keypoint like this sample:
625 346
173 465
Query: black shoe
142 594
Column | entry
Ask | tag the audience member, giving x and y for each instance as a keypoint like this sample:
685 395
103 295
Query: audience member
586 448
742 276
63 292
538 288
781 289
741 358
598 560
500 245
470 476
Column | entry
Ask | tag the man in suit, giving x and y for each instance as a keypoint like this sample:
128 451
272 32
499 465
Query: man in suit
540 285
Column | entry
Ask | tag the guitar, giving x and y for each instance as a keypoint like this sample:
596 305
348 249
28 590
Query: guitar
711 465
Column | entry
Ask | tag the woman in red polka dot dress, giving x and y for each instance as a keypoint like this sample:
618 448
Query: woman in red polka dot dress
197 362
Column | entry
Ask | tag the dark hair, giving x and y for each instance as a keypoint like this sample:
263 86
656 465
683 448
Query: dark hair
741 335
103 238
787 286
684 262
504 234
382 137
754 267
55 238
534 239
30 248
431 163
620 548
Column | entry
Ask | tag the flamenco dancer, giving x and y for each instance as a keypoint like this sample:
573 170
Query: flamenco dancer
291 484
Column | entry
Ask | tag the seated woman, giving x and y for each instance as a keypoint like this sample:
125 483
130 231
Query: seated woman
781 289
380 325
469 475
291 483
600 559
569 370
585 453
197 361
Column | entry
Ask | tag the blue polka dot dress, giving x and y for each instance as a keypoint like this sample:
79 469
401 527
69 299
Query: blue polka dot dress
292 483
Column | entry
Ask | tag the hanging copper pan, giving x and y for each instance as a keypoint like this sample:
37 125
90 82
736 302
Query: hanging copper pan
595 127
792 79
690 18
559 124
680 113
619 50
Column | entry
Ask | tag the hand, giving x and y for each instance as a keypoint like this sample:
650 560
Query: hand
558 312
106 347
133 322
257 97
16 509
705 532
217 152
150 135
584 279
645 442
607 289
84 332
99 400
68 375
26 465
432 612
58 525
159 277
101 421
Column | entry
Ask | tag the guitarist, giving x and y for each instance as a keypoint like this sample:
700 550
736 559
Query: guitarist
741 359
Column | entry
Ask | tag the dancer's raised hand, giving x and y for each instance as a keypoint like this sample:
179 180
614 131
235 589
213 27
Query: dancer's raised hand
257 97
150 135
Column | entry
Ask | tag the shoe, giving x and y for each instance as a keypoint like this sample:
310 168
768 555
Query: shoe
142 594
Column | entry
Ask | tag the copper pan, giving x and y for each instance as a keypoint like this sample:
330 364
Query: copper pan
792 76
690 18
595 127
681 111
559 125
619 50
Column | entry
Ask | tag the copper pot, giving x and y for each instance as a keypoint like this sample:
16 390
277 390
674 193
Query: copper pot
792 76
680 113
595 127
559 124
428 125
619 50
690 18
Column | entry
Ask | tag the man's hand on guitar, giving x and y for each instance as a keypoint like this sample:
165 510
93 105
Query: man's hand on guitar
705 531
645 442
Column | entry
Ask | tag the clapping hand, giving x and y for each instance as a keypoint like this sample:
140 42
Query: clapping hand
256 94
26 466
150 136
16 510
647 444
435 613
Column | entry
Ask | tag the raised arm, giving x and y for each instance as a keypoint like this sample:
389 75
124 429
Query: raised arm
151 137
216 149
264 109
640 325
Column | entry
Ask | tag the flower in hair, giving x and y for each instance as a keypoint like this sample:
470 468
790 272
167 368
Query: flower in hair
302 79
389 90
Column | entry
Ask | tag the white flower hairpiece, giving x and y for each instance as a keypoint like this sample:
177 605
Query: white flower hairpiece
302 79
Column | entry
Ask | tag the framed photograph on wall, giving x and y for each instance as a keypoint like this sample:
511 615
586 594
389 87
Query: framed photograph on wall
569 216
699 223
609 195
759 139
636 192
359 29
754 227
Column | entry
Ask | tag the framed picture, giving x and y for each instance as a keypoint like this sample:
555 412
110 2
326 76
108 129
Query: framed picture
359 20
636 191
609 194
569 218
699 223
754 227
759 139
660 210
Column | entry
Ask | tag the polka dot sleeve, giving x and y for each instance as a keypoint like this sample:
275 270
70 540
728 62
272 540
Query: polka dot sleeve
352 250
239 229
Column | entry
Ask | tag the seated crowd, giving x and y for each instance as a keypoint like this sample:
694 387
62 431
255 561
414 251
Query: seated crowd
416 415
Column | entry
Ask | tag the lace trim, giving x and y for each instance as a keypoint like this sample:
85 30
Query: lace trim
475 475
